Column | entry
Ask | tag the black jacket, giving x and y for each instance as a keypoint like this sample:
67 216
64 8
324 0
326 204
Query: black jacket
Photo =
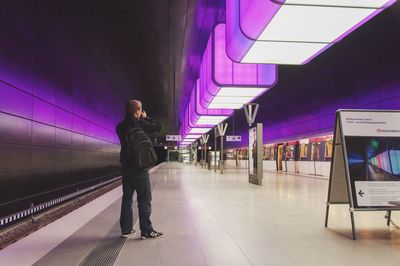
147 124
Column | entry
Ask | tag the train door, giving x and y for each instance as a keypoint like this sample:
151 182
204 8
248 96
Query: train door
328 150
316 157
279 157
284 154
315 151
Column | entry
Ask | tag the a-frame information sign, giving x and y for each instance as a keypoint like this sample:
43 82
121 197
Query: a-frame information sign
365 167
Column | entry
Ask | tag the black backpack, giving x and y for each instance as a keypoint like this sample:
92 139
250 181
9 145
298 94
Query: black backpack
140 150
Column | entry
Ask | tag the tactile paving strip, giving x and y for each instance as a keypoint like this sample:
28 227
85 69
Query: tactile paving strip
107 250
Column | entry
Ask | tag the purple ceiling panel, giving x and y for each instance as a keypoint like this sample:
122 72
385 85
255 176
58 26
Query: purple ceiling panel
202 110
196 111
255 15
207 14
292 31
237 43
188 130
218 71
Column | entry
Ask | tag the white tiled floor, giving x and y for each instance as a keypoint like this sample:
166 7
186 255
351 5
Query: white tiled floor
214 219
31 248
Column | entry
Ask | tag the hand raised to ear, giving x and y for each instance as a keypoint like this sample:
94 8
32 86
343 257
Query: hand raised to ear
144 115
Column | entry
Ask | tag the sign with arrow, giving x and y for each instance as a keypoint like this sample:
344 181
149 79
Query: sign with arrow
377 193
234 138
369 140
173 137
365 166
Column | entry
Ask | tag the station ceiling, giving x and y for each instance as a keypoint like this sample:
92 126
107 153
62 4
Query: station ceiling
105 52
143 47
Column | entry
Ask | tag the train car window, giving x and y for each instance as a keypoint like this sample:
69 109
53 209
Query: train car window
303 151
328 150
289 152
268 152
265 152
316 151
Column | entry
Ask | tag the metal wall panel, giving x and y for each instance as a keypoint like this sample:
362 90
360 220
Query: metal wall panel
42 158
77 141
63 138
43 135
15 129
14 158
47 150
63 158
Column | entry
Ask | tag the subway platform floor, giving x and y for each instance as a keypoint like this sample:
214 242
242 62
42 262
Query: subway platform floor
216 219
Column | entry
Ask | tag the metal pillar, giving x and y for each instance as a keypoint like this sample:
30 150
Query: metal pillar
215 149
221 156
204 140
221 133
201 158
255 177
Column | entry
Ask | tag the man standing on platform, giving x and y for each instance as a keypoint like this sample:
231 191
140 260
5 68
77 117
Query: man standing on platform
135 179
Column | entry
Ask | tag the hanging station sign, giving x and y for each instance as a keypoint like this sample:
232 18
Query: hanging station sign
173 137
234 138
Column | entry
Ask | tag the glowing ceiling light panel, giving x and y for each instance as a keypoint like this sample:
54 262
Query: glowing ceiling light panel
198 121
200 116
186 130
209 120
193 136
225 84
292 31
200 130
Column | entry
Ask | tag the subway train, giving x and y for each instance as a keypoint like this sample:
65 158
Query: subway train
309 156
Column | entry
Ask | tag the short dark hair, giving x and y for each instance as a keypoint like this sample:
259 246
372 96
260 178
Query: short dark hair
132 106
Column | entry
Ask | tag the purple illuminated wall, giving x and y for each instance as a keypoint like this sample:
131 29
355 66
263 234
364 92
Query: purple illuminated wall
362 71
58 112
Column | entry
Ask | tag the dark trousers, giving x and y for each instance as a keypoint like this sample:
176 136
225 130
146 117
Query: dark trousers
134 180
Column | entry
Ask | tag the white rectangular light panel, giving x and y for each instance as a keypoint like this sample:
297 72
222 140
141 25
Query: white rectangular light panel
348 3
238 99
235 91
210 120
225 105
189 138
200 130
234 97
312 23
193 136
285 53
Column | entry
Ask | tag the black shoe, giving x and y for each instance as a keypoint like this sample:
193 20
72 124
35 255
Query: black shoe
153 234
127 235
